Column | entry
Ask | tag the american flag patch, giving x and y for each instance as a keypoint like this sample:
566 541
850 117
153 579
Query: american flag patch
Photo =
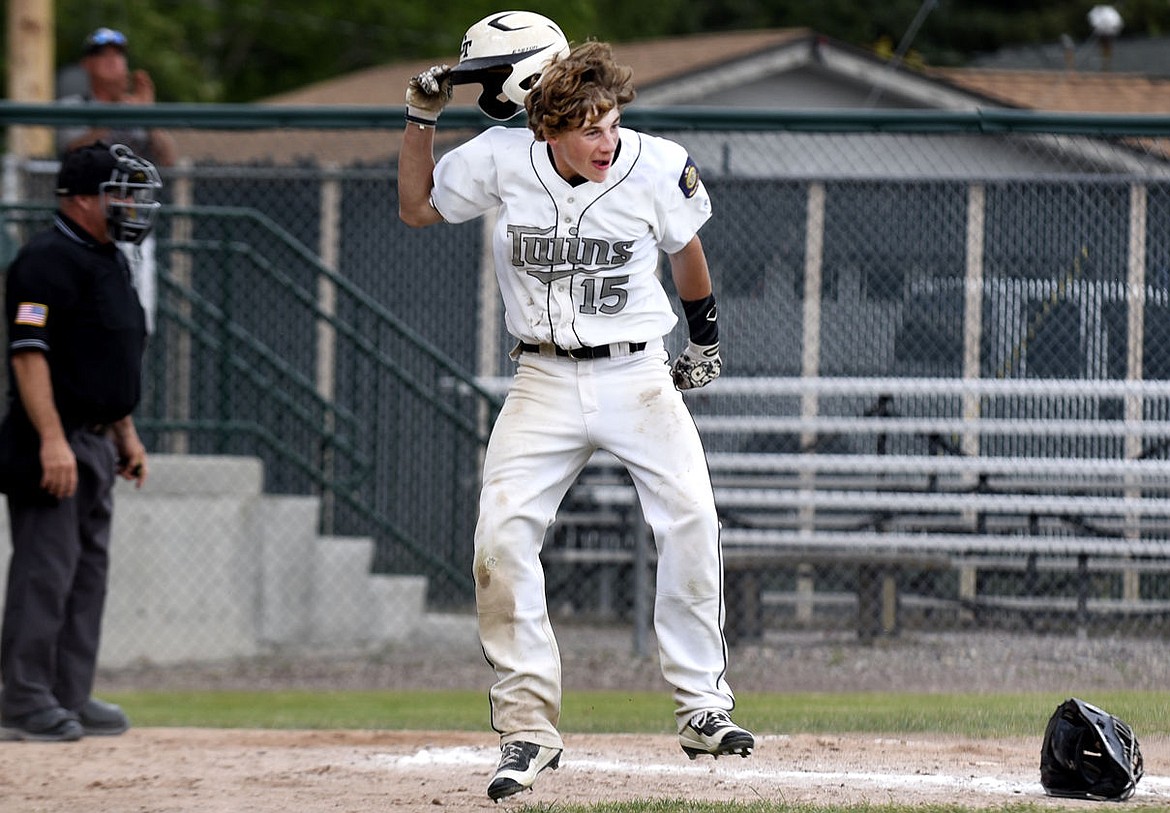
32 313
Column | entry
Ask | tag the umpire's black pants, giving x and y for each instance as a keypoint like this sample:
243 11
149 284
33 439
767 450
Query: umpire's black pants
57 587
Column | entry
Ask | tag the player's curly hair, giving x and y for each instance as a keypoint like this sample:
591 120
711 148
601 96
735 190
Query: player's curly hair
584 85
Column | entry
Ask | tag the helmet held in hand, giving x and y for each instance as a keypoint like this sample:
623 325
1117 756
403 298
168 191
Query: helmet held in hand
505 52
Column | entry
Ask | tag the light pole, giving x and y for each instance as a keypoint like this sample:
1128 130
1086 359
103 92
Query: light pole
1107 24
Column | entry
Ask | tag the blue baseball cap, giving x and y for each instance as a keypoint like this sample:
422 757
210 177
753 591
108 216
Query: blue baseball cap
103 37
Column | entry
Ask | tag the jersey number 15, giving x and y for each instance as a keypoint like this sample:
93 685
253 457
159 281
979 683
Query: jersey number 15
608 298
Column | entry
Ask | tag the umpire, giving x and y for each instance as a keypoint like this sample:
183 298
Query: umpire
76 338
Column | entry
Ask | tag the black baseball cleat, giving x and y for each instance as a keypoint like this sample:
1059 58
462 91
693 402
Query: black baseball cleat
712 732
520 762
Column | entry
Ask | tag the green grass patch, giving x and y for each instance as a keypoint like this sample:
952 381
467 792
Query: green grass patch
445 710
970 715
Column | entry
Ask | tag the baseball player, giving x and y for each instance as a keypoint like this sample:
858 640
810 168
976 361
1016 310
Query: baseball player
584 206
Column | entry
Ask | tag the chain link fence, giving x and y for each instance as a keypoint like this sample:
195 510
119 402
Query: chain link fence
360 363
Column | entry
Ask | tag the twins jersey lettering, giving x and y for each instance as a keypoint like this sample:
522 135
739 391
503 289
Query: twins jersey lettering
577 265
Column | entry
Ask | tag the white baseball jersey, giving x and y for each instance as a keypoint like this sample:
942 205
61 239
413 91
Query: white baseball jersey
577 265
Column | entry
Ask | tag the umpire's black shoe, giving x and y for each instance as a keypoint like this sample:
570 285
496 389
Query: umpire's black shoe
712 732
47 725
101 719
520 762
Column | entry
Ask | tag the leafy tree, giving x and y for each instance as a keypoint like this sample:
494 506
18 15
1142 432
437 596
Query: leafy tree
242 50
954 30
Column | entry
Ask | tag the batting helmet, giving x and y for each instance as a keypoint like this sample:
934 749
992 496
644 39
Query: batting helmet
1088 753
505 52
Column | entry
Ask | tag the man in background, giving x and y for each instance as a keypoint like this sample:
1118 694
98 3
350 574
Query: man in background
107 68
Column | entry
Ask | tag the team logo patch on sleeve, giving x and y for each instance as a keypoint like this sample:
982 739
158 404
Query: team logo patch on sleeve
688 182
31 313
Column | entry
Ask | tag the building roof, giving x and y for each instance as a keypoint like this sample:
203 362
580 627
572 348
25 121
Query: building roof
769 69
1064 91
653 62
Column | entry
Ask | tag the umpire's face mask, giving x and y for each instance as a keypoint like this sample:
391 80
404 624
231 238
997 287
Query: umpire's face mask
128 198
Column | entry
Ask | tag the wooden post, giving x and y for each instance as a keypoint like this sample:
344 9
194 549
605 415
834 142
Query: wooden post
31 54
1135 351
810 359
973 309
330 250
179 353
972 355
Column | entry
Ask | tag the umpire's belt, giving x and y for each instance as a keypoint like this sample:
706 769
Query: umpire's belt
602 351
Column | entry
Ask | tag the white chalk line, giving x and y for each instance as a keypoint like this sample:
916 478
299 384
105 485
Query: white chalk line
465 756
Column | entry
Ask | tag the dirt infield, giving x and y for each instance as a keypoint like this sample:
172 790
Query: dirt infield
168 770
159 770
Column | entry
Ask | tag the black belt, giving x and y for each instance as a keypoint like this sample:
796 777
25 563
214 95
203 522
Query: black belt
602 351
98 428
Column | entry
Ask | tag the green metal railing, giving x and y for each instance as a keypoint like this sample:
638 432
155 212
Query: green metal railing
350 117
241 359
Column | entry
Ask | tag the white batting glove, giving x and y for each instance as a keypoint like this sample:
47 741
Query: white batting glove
697 366
428 93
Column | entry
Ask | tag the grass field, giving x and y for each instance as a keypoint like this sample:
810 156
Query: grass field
972 715
968 715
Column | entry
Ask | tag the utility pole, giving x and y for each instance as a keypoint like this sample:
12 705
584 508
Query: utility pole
31 55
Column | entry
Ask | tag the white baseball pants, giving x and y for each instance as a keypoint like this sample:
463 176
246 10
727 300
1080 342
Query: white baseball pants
557 413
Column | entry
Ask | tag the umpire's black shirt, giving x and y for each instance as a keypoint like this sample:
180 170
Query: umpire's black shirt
72 298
